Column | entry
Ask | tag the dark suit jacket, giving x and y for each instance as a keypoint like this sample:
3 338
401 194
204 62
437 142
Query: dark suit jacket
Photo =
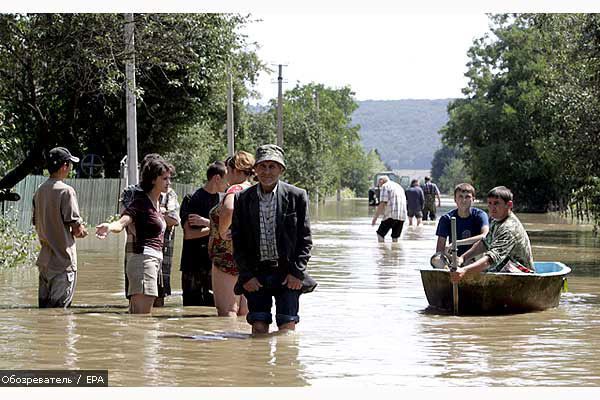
294 239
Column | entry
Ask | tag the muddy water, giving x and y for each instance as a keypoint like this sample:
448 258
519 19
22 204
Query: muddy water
365 324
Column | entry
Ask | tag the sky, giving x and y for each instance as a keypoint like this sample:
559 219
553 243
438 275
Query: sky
380 56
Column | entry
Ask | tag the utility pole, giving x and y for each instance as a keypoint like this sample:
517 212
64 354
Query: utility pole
317 109
132 158
280 107
230 134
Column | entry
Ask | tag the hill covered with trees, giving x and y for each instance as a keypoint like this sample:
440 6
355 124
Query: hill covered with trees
404 132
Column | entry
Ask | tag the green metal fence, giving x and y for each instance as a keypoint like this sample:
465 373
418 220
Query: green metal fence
98 198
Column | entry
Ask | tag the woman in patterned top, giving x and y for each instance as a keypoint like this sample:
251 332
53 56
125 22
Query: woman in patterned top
220 248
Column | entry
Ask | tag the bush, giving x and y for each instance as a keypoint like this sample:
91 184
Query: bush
17 248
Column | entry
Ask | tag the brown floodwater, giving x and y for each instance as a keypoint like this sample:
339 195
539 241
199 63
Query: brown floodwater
365 324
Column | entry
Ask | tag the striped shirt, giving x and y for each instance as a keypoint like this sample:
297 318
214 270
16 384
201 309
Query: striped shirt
267 210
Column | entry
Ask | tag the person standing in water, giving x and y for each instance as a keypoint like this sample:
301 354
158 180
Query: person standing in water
144 263
57 222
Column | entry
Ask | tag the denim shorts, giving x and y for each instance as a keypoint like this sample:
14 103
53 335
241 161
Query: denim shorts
287 301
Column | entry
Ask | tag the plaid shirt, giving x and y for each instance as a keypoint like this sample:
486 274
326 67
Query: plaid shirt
393 194
267 216
170 207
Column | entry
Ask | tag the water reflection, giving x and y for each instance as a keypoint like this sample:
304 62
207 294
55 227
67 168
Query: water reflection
365 324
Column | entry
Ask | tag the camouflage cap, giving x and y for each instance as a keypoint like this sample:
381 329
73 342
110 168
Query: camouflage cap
269 152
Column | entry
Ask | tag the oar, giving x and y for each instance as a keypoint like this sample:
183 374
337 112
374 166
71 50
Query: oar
454 265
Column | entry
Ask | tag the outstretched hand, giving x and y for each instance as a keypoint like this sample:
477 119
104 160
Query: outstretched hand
102 230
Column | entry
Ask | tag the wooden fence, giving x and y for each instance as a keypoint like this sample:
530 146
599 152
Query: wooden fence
98 198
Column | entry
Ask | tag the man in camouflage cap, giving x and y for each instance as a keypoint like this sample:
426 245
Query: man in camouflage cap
271 237
506 248
270 152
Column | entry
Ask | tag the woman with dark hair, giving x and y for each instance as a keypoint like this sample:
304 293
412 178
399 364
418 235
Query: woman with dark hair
144 263
224 272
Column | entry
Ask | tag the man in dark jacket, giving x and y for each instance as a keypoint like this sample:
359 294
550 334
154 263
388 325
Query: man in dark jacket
271 243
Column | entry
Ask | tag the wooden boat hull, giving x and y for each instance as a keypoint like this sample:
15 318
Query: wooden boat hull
497 293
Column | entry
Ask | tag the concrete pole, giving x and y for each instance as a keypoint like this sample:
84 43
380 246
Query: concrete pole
132 156
230 134
280 107
317 108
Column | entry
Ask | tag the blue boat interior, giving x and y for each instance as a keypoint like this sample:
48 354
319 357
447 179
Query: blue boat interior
550 267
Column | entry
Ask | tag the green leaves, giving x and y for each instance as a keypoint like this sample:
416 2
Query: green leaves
323 151
64 74
17 248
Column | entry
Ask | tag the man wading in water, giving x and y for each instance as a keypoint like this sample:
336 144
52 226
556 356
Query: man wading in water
271 244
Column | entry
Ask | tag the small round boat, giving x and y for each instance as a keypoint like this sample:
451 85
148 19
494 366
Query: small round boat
497 292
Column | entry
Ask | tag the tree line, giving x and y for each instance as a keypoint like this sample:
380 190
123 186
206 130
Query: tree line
530 115
62 79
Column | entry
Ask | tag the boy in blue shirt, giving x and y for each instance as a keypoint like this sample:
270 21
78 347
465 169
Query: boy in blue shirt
471 223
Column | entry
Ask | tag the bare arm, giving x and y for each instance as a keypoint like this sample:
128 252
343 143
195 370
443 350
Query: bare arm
475 267
474 251
225 217
441 244
170 221
378 211
103 229
189 232
484 231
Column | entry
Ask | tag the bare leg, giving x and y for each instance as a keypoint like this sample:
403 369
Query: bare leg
141 304
379 238
159 302
228 304
260 328
243 306
290 326
419 221
410 219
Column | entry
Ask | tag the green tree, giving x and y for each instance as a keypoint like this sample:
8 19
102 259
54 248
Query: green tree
454 173
497 124
62 81
441 158
323 151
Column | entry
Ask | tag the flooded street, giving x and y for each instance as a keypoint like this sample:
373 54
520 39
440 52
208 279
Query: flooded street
366 323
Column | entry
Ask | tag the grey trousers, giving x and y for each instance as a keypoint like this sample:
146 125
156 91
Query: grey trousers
56 290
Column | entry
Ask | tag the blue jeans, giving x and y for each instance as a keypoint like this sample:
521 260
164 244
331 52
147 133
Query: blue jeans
287 302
